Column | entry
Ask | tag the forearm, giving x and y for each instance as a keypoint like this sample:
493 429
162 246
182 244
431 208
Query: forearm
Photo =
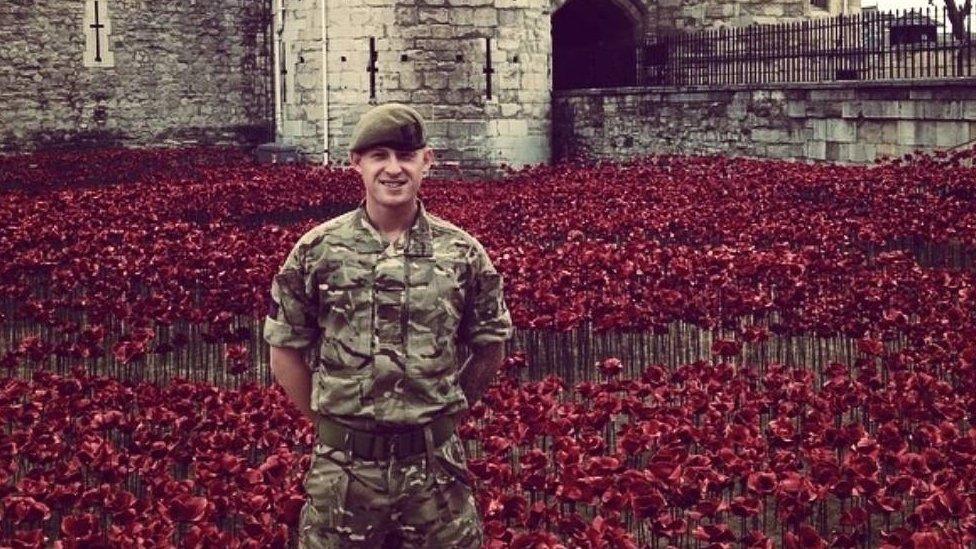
290 371
480 370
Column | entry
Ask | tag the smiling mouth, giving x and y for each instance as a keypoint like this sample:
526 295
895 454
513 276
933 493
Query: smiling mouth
393 184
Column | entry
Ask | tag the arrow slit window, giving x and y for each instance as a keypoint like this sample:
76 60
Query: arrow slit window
97 28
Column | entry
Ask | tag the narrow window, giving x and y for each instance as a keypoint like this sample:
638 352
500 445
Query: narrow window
488 69
371 68
97 28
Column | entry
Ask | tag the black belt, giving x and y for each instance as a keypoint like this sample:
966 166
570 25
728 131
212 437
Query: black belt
381 446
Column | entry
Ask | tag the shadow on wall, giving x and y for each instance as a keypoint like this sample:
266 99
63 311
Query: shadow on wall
245 135
47 140
240 135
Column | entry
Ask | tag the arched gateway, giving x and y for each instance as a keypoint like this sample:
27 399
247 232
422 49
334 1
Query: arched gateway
595 43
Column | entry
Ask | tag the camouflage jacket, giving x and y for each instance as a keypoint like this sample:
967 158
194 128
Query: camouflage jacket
386 319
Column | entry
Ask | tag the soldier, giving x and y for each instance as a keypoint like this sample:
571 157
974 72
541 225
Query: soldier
384 295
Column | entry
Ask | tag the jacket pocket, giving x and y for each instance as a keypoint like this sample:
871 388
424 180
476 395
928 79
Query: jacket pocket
435 308
345 320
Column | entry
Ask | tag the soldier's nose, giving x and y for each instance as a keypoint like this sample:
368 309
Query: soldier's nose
393 166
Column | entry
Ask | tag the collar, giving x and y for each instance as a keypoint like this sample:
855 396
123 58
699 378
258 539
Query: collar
419 239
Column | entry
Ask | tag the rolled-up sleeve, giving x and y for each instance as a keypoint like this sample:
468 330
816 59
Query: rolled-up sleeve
291 320
486 318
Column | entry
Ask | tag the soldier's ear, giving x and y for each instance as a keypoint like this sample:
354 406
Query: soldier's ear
354 158
428 159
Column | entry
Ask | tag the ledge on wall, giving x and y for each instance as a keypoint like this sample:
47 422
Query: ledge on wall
845 85
276 152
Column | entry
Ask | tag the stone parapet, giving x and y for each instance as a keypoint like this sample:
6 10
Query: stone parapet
850 122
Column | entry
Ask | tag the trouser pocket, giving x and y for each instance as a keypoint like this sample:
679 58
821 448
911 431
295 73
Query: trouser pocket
327 487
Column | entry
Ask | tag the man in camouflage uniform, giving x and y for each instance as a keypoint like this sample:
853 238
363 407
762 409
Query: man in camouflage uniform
383 296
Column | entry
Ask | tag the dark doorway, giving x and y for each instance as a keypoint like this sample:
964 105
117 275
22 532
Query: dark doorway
593 46
913 28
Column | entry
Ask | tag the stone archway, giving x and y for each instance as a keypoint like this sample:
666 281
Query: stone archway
636 10
595 42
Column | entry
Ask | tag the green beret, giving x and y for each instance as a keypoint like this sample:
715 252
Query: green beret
391 125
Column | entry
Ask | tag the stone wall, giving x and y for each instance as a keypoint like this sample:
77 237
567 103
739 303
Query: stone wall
693 15
176 73
844 122
432 56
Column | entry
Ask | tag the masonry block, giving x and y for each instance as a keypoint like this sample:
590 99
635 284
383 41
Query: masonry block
832 95
907 110
873 109
851 109
815 150
926 133
889 131
907 132
951 134
941 110
292 128
869 132
427 15
841 131
517 128
796 109
484 17
837 152
890 150
785 150
862 152
765 135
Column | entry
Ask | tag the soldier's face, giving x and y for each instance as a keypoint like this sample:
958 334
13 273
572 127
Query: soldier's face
391 177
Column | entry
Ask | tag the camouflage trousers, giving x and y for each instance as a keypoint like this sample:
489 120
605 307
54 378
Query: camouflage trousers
419 501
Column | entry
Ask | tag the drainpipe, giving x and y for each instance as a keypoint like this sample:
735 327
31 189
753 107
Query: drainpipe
277 26
325 81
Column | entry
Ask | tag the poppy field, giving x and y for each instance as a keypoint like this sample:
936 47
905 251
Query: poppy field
710 351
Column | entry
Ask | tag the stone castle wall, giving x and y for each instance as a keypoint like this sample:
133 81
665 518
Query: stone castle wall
178 73
846 122
432 56
172 73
